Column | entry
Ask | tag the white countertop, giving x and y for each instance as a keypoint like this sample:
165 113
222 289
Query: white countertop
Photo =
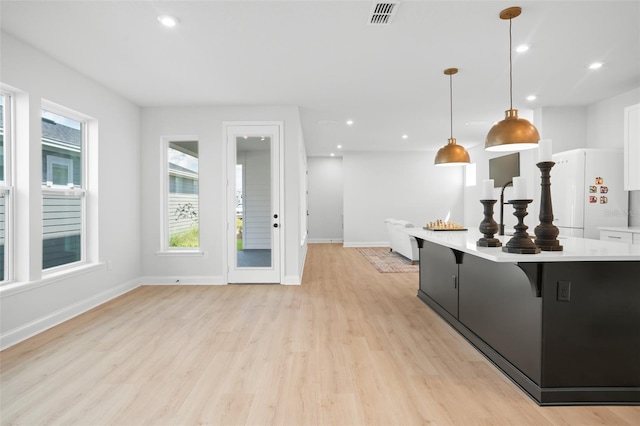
620 228
574 249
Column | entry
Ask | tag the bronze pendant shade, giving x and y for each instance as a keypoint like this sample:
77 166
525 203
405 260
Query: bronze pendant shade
512 133
451 154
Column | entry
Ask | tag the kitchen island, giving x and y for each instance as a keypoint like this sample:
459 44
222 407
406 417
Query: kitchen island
564 325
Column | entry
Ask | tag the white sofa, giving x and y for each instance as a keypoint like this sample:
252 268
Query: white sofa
400 241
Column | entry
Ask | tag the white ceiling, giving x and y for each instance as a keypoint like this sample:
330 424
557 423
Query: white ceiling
324 57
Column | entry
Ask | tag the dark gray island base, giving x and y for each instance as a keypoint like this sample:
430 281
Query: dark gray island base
566 332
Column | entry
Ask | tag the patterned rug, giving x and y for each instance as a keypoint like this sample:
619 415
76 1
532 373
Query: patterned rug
387 261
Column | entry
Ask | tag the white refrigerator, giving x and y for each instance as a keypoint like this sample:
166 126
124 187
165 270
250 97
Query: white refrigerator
587 191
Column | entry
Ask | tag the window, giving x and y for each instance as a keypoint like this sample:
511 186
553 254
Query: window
182 200
64 189
5 187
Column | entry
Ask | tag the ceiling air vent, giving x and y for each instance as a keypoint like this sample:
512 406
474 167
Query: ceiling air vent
382 13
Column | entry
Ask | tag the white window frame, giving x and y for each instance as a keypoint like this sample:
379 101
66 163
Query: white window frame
70 190
165 249
6 188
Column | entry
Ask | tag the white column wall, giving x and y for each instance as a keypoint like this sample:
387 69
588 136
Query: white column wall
326 199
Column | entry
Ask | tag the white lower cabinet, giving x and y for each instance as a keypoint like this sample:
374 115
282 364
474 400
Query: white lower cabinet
617 236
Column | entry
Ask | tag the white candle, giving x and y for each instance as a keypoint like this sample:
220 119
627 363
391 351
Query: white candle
519 188
487 190
544 150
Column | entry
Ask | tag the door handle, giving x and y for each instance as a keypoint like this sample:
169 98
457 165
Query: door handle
455 281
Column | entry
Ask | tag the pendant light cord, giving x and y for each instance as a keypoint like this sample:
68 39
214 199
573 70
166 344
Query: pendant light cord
510 68
451 103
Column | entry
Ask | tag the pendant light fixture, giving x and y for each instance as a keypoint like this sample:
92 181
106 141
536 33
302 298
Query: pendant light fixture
451 154
512 133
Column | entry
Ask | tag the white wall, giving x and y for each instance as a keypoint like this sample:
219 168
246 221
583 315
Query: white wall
565 126
206 124
401 185
34 304
326 199
605 120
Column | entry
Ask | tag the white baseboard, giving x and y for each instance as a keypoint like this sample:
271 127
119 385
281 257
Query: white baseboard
39 325
292 280
366 244
325 240
179 280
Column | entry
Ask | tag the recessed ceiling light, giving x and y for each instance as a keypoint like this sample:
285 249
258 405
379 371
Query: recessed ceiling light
531 97
339 146
168 21
405 136
595 66
332 154
522 48
349 122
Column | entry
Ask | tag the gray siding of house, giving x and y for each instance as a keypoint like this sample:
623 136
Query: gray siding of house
177 226
61 230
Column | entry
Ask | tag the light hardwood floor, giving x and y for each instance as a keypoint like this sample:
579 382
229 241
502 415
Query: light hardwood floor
350 346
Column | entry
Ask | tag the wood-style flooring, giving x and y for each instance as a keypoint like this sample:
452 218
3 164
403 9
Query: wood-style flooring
350 346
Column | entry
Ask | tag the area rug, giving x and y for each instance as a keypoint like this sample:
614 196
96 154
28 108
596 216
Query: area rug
387 261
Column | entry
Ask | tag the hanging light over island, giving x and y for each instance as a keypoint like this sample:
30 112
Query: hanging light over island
451 154
512 133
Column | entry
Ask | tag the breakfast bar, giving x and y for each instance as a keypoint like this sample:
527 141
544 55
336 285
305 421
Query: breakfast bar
563 325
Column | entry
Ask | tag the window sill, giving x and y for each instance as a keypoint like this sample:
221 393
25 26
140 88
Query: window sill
13 288
183 253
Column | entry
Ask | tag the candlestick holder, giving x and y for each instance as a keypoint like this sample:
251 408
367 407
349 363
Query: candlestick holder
520 243
546 232
488 226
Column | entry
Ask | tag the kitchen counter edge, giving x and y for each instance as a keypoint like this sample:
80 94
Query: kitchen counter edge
574 249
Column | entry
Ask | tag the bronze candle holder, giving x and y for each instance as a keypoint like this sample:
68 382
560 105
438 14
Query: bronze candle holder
488 226
520 243
546 232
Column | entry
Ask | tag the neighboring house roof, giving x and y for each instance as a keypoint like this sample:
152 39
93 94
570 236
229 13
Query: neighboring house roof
56 132
176 168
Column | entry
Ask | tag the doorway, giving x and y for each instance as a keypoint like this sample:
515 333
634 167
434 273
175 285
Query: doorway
253 195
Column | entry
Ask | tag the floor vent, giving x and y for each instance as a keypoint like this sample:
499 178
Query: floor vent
382 13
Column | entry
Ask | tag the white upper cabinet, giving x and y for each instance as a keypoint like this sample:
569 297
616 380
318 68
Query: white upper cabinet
632 148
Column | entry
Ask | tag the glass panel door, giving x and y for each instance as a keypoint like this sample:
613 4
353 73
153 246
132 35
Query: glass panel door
253 193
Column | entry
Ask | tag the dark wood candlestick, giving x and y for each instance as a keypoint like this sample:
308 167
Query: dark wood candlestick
546 232
520 242
488 226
